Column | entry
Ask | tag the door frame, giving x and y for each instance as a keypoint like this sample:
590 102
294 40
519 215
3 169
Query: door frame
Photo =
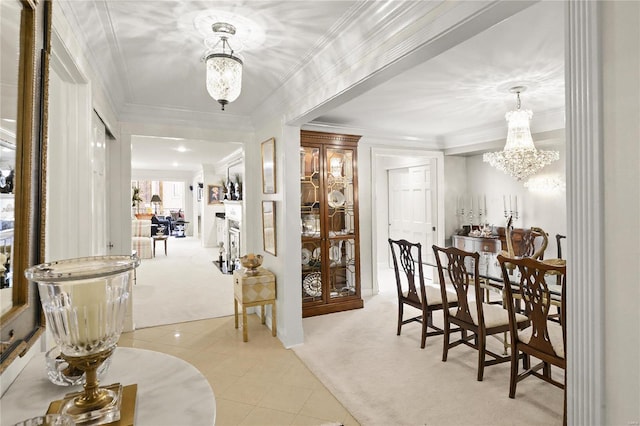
415 157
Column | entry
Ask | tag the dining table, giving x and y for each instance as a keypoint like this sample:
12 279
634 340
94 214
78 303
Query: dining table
491 277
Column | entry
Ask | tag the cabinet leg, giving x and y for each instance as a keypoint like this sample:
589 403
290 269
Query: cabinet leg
263 317
245 333
235 310
273 319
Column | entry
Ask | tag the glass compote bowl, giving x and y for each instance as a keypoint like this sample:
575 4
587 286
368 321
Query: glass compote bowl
85 302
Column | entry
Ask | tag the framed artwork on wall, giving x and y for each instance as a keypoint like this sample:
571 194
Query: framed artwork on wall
214 194
268 149
269 227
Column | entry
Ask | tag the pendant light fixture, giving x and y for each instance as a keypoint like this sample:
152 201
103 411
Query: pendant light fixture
519 158
224 70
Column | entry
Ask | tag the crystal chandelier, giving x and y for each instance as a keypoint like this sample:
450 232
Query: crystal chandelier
224 70
519 158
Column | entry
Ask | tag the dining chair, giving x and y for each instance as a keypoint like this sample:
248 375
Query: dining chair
542 338
471 313
412 291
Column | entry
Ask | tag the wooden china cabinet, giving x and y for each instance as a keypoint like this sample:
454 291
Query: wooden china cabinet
329 219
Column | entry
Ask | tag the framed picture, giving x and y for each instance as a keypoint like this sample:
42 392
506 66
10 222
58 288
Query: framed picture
214 194
269 226
269 166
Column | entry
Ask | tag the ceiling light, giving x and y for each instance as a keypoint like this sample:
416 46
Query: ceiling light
224 70
519 158
181 149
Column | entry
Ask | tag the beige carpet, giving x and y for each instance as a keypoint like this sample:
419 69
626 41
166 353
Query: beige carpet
384 379
183 286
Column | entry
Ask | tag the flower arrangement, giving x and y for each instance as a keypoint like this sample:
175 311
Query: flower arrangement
136 199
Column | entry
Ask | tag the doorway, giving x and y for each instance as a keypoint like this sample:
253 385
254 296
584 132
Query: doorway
408 202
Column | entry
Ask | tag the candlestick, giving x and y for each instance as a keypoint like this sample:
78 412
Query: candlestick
485 204
516 204
504 202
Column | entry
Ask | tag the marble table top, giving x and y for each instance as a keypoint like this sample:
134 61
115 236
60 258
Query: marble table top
170 391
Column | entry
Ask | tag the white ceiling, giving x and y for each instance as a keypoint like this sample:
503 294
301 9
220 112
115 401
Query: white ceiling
148 53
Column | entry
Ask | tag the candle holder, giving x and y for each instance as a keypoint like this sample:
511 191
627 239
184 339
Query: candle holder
85 301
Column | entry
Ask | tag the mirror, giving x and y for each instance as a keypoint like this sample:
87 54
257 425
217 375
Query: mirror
19 189
10 32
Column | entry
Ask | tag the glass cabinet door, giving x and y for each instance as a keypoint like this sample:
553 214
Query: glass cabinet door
310 224
340 222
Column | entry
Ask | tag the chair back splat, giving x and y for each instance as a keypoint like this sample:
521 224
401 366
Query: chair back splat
412 291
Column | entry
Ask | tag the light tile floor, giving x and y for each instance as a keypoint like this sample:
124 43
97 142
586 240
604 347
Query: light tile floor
255 383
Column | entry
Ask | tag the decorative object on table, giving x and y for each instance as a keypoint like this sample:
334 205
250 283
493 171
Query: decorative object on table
268 149
269 235
214 194
61 373
251 262
156 200
224 70
86 298
512 213
519 158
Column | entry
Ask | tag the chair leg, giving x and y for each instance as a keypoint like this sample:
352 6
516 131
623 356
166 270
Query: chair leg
445 345
425 322
482 341
400 304
514 372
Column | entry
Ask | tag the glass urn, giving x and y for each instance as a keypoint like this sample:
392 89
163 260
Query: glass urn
85 302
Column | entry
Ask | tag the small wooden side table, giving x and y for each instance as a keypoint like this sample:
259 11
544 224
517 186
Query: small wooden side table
254 290
160 238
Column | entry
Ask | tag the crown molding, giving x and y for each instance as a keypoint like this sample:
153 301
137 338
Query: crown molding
372 136
543 121
185 118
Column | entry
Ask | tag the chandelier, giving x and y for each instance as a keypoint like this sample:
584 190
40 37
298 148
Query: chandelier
519 158
224 70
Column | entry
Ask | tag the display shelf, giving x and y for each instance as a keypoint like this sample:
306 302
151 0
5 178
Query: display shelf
330 278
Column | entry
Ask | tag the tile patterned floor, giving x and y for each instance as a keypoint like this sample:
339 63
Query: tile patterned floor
255 383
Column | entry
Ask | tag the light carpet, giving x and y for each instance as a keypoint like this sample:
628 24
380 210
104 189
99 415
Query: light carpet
183 286
384 379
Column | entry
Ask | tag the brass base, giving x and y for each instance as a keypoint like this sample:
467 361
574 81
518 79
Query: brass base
127 409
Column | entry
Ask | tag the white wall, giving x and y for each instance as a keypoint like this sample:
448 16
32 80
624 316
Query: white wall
286 265
621 113
455 185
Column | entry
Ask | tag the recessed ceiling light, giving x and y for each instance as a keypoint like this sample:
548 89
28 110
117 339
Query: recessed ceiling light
175 164
181 149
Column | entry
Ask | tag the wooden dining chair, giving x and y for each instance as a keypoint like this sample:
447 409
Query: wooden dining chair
412 291
471 314
542 338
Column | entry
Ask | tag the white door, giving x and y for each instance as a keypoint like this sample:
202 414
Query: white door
411 206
